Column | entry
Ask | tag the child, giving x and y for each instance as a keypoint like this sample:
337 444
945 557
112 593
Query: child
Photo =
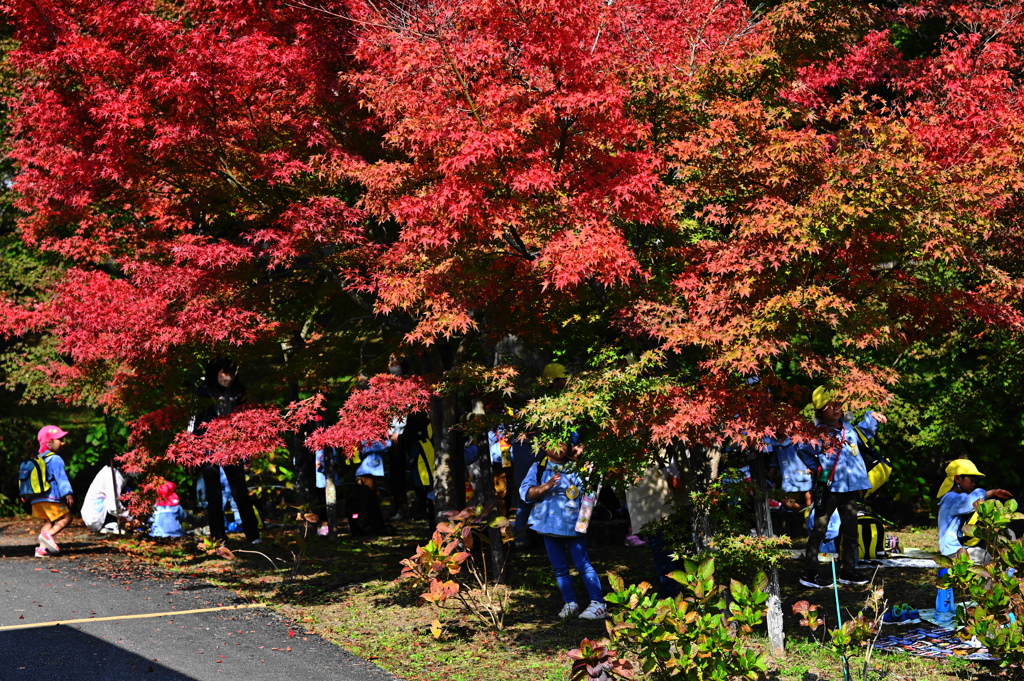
959 496
556 498
55 508
844 466
168 514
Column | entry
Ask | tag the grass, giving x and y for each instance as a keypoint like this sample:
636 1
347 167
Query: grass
345 591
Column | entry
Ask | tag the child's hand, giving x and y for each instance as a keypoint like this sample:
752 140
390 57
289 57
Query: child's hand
552 481
998 494
69 500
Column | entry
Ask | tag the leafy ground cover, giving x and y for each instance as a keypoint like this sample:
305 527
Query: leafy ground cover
345 589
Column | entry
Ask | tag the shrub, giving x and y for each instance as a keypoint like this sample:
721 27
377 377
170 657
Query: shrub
448 569
695 636
996 588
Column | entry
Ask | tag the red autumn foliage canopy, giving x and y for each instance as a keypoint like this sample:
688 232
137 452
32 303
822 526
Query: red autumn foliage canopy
789 192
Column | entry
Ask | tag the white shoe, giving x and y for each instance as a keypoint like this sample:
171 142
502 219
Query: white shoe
568 610
594 611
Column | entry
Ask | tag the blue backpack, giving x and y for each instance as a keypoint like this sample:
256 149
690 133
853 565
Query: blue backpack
33 480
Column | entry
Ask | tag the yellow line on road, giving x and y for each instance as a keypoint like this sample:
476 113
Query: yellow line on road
131 617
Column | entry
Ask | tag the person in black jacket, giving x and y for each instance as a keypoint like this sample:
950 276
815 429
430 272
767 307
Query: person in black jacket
221 393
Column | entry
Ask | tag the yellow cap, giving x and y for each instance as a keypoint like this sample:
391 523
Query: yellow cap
554 370
955 468
820 397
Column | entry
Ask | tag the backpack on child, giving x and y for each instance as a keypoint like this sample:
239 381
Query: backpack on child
33 479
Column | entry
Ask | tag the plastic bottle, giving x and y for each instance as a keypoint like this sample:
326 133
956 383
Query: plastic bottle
586 510
945 607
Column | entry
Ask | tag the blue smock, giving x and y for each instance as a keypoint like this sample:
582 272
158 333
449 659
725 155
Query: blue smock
556 512
955 509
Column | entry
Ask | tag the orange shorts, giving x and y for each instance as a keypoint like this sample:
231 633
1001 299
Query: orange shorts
49 510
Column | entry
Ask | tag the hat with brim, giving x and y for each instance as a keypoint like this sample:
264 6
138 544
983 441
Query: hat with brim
48 433
821 397
554 370
955 468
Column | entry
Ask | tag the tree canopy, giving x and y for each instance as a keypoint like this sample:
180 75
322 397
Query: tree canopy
674 197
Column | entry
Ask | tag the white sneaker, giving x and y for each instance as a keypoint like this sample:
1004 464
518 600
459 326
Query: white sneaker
594 611
568 610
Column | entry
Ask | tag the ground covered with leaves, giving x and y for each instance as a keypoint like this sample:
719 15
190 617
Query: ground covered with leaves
345 590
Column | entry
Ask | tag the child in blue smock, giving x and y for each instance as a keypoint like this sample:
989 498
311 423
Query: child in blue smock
844 465
959 496
54 509
556 499
168 513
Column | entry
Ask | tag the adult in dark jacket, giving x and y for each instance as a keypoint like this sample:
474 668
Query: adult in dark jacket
220 394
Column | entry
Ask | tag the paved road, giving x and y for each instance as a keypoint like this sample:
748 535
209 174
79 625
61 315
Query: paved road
230 641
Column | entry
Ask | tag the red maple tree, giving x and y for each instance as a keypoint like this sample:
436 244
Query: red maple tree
793 193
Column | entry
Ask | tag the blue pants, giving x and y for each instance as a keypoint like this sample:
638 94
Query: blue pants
577 550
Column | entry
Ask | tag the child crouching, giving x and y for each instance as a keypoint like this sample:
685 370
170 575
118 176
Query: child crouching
168 514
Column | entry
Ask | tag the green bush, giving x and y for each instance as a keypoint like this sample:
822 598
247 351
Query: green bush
996 588
695 636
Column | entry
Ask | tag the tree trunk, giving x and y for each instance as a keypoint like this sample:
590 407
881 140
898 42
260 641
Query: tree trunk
483 489
763 520
449 464
330 492
703 468
305 461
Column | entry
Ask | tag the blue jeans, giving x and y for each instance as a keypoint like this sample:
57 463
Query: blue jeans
577 550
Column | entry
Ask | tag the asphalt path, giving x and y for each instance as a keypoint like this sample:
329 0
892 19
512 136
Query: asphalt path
141 625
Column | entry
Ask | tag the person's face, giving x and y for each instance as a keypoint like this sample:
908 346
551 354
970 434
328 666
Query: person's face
831 413
55 445
559 454
965 483
224 378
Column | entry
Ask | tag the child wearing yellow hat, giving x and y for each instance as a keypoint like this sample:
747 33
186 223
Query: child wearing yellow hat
844 476
959 496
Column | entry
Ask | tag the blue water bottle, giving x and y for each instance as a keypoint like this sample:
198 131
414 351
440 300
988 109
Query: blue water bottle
945 607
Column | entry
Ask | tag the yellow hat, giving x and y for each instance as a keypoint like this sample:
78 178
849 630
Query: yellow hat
820 397
554 370
955 468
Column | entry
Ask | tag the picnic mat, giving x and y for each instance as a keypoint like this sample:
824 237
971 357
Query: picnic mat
929 640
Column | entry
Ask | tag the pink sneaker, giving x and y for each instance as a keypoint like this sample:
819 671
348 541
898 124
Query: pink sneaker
46 539
41 552
633 540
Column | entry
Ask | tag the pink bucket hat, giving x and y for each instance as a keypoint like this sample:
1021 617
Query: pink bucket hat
48 433
166 495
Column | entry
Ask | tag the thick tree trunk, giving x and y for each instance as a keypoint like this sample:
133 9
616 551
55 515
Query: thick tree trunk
703 466
483 489
305 461
449 464
763 520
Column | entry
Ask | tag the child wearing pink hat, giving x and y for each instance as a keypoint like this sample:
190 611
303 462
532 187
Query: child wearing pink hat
55 508
168 514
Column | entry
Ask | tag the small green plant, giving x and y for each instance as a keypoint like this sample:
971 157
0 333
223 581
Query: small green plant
695 636
996 588
594 661
450 571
